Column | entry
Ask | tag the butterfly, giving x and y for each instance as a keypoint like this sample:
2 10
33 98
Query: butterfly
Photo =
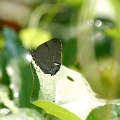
48 56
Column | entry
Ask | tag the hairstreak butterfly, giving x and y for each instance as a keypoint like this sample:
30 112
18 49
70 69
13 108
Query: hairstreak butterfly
48 56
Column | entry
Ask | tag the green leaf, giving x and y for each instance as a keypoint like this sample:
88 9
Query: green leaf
56 110
67 93
107 112
69 52
33 37
17 68
43 94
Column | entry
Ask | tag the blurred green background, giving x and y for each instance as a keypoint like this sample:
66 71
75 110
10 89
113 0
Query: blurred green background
90 35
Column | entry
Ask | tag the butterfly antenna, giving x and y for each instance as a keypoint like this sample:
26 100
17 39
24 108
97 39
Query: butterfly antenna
31 50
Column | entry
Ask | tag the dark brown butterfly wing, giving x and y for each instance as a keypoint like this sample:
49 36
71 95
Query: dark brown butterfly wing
48 56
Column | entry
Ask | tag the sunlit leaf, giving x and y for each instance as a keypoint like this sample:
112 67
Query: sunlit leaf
33 37
58 92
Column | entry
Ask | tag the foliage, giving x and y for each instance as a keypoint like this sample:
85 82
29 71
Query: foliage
91 43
